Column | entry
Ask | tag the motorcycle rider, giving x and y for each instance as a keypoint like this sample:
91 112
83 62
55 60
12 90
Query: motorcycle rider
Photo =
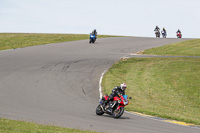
164 31
94 32
179 35
157 28
116 91
178 31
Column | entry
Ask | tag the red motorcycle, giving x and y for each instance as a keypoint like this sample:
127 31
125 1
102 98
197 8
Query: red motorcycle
115 107
179 35
157 32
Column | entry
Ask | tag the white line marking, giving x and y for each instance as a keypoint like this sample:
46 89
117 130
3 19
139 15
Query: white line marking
100 81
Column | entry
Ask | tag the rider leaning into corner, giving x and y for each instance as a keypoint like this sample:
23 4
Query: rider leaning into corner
116 91
94 32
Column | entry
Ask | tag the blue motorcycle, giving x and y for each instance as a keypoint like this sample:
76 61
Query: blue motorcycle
164 34
92 38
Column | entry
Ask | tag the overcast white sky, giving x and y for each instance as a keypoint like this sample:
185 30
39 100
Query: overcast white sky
109 17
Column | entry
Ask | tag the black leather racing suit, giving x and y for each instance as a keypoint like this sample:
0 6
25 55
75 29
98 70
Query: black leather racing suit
157 29
95 32
178 31
115 92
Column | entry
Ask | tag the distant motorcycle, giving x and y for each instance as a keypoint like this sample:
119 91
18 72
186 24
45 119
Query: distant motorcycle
164 34
179 35
115 107
92 38
157 32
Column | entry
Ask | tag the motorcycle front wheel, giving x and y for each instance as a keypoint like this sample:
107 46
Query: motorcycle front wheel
118 112
99 110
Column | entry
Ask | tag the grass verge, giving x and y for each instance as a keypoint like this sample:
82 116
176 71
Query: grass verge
18 40
12 126
185 48
163 87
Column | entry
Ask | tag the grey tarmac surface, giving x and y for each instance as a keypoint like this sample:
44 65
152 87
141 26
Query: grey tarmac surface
57 84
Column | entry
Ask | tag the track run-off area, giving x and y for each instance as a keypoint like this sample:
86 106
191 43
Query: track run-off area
58 84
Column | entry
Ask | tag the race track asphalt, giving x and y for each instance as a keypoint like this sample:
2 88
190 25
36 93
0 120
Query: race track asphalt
58 84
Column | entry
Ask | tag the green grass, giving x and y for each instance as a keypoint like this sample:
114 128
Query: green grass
186 48
18 40
12 126
164 87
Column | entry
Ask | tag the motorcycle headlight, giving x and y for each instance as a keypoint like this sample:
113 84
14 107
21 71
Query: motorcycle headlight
125 102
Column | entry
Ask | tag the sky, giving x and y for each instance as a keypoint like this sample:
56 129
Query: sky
108 17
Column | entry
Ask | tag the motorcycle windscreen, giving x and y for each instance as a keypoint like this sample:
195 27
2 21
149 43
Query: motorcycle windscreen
125 97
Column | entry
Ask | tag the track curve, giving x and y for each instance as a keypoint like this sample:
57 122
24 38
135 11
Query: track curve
57 84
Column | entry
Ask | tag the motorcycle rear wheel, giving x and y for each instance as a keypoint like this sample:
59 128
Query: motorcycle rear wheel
118 112
99 110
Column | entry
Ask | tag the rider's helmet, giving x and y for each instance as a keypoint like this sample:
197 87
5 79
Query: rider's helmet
123 86
163 28
156 27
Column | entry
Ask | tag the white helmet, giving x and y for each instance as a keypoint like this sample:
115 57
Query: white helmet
123 86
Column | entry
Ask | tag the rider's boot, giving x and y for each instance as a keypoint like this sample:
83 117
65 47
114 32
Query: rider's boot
105 103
